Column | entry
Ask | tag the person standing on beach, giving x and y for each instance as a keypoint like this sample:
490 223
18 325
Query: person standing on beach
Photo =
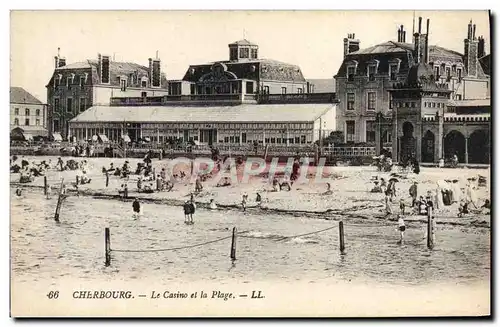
388 209
413 193
402 228
187 211
244 199
192 207
136 206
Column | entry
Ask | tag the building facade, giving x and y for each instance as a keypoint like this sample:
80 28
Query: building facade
274 124
75 87
28 115
244 73
366 76
428 125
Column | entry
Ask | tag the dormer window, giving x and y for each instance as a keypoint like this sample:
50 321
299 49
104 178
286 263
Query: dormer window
448 73
393 70
57 80
144 82
82 82
123 84
459 74
372 69
68 82
351 71
436 73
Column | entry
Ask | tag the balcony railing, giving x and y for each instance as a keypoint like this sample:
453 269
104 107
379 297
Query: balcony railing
226 98
137 101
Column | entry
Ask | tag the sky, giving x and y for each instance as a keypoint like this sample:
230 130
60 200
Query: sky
311 39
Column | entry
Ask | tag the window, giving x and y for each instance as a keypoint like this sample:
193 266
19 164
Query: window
459 74
233 54
37 112
371 72
123 85
436 72
350 101
244 53
454 69
27 121
283 90
68 82
56 125
350 73
254 53
448 73
458 97
57 80
16 121
300 90
370 131
391 101
349 124
83 104
392 72
69 105
266 89
38 122
372 100
82 82
16 111
249 88
192 88
144 94
26 112
144 83
434 105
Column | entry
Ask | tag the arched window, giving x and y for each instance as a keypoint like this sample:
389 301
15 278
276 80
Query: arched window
38 112
16 121
27 112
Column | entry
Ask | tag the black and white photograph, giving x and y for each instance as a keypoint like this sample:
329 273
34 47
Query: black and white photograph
244 163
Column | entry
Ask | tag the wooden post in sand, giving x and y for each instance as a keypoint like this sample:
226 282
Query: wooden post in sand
107 178
341 237
430 229
45 185
107 246
233 245
59 202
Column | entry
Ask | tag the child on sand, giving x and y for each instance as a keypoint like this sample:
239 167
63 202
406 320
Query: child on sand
244 199
212 205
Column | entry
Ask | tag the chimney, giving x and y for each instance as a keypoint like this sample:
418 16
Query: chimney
480 47
105 69
471 51
404 36
156 73
56 58
150 71
426 53
399 35
351 44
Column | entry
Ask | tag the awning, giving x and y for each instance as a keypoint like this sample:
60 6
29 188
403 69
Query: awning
126 138
103 138
57 137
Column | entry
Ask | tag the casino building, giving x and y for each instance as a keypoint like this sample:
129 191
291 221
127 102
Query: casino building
241 100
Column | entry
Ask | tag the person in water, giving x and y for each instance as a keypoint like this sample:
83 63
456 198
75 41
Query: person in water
212 205
402 228
136 206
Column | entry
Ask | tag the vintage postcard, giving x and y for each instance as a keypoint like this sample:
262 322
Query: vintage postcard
250 163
